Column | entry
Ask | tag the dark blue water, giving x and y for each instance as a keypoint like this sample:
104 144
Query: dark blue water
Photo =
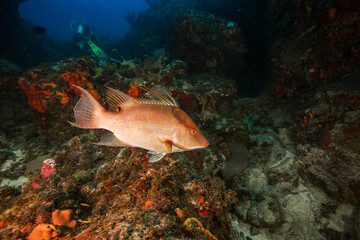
107 16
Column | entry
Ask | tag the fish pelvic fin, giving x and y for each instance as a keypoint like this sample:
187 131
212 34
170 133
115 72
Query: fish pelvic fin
155 156
109 139
87 111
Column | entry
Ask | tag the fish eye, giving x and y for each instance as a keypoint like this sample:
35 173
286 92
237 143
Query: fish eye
193 131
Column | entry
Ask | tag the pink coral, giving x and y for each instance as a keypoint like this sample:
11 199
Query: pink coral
48 168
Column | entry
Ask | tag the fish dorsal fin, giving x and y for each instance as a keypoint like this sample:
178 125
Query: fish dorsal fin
164 98
116 98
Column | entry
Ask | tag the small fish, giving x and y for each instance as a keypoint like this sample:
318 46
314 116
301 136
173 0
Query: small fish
157 125
52 227
84 221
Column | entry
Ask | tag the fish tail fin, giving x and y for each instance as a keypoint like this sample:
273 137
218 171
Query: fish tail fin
87 111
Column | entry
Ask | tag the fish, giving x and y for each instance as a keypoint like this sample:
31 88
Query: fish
154 124
38 30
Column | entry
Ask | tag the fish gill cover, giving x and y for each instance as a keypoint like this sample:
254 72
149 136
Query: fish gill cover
272 85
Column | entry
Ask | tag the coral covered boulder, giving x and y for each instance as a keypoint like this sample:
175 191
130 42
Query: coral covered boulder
208 43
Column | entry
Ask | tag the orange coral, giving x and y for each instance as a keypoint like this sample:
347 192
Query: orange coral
44 231
192 224
133 91
53 85
35 96
94 94
64 97
39 91
63 218
350 20
332 13
148 203
179 213
79 79
2 223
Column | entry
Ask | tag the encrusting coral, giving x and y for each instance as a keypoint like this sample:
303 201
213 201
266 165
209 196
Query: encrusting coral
45 87
194 225
44 232
62 219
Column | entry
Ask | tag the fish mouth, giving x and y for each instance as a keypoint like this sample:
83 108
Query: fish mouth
192 147
197 147
206 143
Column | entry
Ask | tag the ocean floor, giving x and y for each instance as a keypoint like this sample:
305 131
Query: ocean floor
275 168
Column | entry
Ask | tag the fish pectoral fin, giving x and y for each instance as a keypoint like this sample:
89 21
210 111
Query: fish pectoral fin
109 139
155 156
168 144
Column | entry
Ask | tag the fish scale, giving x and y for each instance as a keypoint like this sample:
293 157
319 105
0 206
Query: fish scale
133 130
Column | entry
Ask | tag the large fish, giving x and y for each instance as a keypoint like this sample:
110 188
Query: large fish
157 125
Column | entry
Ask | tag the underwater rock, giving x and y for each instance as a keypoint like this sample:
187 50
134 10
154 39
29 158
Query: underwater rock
8 68
339 221
214 86
37 163
12 167
301 209
266 213
177 69
316 44
238 161
83 176
284 166
156 20
201 40
256 180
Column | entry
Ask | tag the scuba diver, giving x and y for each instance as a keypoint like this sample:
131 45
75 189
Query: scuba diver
84 35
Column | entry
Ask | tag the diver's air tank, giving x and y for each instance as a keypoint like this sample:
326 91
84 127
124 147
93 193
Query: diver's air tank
80 29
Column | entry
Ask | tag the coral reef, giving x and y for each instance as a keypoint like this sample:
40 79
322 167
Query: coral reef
79 181
63 221
45 89
318 50
203 40
283 165
249 183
